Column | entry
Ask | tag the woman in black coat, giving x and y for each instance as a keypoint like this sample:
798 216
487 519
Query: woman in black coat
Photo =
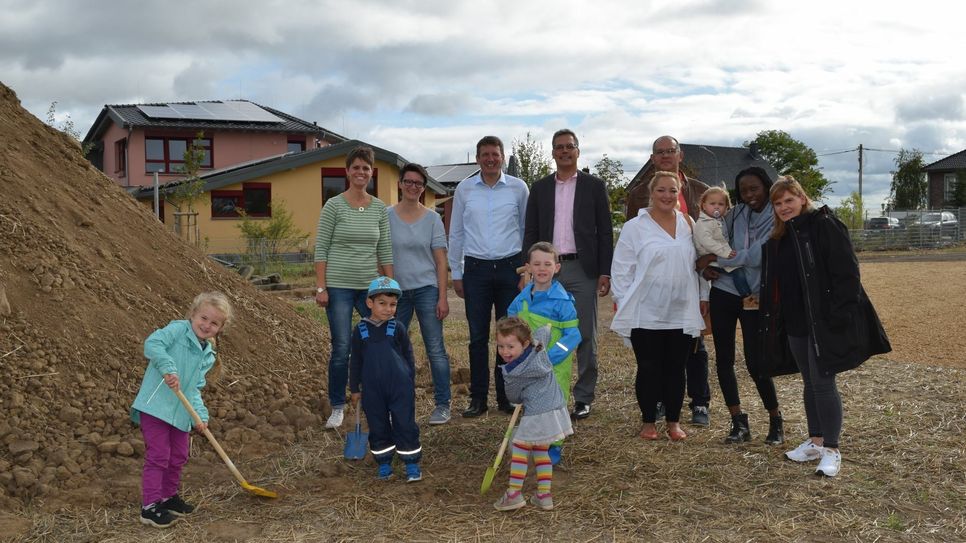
815 313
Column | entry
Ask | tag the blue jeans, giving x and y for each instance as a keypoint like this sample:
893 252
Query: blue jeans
423 301
488 285
339 313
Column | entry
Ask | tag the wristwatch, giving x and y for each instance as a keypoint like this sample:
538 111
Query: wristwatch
319 290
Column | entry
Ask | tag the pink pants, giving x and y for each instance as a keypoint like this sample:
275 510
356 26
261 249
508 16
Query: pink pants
165 453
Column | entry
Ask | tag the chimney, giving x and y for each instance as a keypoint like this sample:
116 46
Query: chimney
753 149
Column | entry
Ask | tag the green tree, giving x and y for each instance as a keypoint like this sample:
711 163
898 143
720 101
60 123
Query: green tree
792 157
909 189
611 171
184 195
959 196
851 212
266 239
533 159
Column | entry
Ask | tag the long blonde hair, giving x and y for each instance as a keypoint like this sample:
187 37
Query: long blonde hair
783 184
220 303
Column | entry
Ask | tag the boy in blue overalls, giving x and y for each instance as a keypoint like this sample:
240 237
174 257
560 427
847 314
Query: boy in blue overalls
382 364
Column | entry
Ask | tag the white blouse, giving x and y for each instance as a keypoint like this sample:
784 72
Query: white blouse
653 280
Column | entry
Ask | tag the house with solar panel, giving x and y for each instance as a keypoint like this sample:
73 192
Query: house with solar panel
254 157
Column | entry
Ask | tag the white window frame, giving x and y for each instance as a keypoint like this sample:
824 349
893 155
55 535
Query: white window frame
949 187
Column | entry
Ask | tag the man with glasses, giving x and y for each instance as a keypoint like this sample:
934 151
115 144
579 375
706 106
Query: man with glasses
570 209
485 233
666 155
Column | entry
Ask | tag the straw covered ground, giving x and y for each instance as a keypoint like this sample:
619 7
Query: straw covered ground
903 477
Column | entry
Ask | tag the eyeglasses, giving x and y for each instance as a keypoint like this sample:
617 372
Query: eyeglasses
413 183
666 152
564 146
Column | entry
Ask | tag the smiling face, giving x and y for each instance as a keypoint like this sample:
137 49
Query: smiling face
543 266
412 186
382 306
510 347
752 192
359 173
664 194
490 159
787 204
715 205
206 322
565 152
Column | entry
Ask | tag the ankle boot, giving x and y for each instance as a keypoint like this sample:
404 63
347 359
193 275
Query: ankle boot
776 431
739 429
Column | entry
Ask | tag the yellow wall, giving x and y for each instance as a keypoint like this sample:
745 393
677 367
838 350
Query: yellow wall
300 190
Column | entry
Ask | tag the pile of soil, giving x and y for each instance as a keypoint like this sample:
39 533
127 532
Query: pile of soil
85 275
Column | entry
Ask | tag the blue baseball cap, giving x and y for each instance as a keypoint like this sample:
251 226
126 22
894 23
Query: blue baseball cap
384 285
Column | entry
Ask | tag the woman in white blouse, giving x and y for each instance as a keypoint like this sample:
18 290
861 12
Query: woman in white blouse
660 301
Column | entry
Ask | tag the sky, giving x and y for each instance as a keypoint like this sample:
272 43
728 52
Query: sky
428 78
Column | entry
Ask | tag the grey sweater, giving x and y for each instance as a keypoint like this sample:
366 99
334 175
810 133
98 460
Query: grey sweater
531 382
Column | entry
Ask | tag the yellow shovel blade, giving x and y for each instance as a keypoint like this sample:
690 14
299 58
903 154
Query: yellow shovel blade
259 491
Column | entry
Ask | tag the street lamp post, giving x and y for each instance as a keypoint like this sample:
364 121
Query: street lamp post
717 181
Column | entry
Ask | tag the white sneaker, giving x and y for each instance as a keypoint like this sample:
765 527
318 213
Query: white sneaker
335 419
830 464
806 452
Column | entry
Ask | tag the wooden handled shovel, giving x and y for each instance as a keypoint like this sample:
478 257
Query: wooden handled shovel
491 471
221 452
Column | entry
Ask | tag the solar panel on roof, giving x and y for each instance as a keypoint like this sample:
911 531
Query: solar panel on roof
160 112
192 111
255 113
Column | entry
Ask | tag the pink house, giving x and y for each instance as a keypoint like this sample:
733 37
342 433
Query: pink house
131 142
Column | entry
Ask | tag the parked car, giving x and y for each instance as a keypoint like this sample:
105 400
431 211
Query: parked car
883 223
937 224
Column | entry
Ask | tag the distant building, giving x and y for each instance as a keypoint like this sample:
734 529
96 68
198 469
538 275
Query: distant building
713 164
131 142
450 175
941 179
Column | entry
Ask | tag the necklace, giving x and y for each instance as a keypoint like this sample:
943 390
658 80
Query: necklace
362 208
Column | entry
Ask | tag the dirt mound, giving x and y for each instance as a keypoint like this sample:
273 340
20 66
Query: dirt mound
85 275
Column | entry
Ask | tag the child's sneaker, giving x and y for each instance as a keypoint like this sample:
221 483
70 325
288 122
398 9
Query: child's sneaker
510 501
806 452
413 473
554 452
543 501
157 516
177 506
385 472
335 419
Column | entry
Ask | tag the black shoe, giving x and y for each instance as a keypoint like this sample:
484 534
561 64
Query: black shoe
776 431
475 409
581 410
739 429
505 407
699 416
177 506
157 516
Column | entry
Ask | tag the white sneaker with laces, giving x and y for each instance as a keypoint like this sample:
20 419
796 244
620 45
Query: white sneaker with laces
335 419
806 452
830 464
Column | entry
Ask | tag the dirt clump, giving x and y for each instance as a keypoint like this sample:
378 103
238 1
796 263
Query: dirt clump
85 275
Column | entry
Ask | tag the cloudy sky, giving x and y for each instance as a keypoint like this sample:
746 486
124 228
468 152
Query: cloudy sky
428 78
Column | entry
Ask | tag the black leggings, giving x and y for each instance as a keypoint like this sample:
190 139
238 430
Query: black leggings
661 358
726 312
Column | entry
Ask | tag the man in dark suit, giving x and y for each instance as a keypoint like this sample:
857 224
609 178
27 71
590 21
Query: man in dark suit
570 209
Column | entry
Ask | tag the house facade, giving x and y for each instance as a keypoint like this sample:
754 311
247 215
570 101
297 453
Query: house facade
941 179
301 182
129 143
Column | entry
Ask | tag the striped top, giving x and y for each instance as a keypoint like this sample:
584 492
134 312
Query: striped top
352 242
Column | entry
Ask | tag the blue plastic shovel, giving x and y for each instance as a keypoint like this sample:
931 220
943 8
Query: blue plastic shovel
356 441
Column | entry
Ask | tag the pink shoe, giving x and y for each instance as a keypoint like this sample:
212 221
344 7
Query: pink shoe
510 501
544 501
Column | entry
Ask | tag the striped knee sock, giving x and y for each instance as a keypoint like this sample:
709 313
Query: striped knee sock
518 466
541 459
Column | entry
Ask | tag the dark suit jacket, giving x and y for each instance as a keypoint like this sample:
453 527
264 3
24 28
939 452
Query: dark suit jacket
593 231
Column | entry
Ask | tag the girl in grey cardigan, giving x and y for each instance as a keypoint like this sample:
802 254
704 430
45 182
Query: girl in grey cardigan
529 380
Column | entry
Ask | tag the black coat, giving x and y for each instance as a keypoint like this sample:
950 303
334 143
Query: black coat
843 325
593 230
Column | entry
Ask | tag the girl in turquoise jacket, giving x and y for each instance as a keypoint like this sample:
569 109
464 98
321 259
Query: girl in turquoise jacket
179 357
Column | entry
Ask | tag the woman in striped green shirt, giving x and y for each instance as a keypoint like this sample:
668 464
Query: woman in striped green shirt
352 247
